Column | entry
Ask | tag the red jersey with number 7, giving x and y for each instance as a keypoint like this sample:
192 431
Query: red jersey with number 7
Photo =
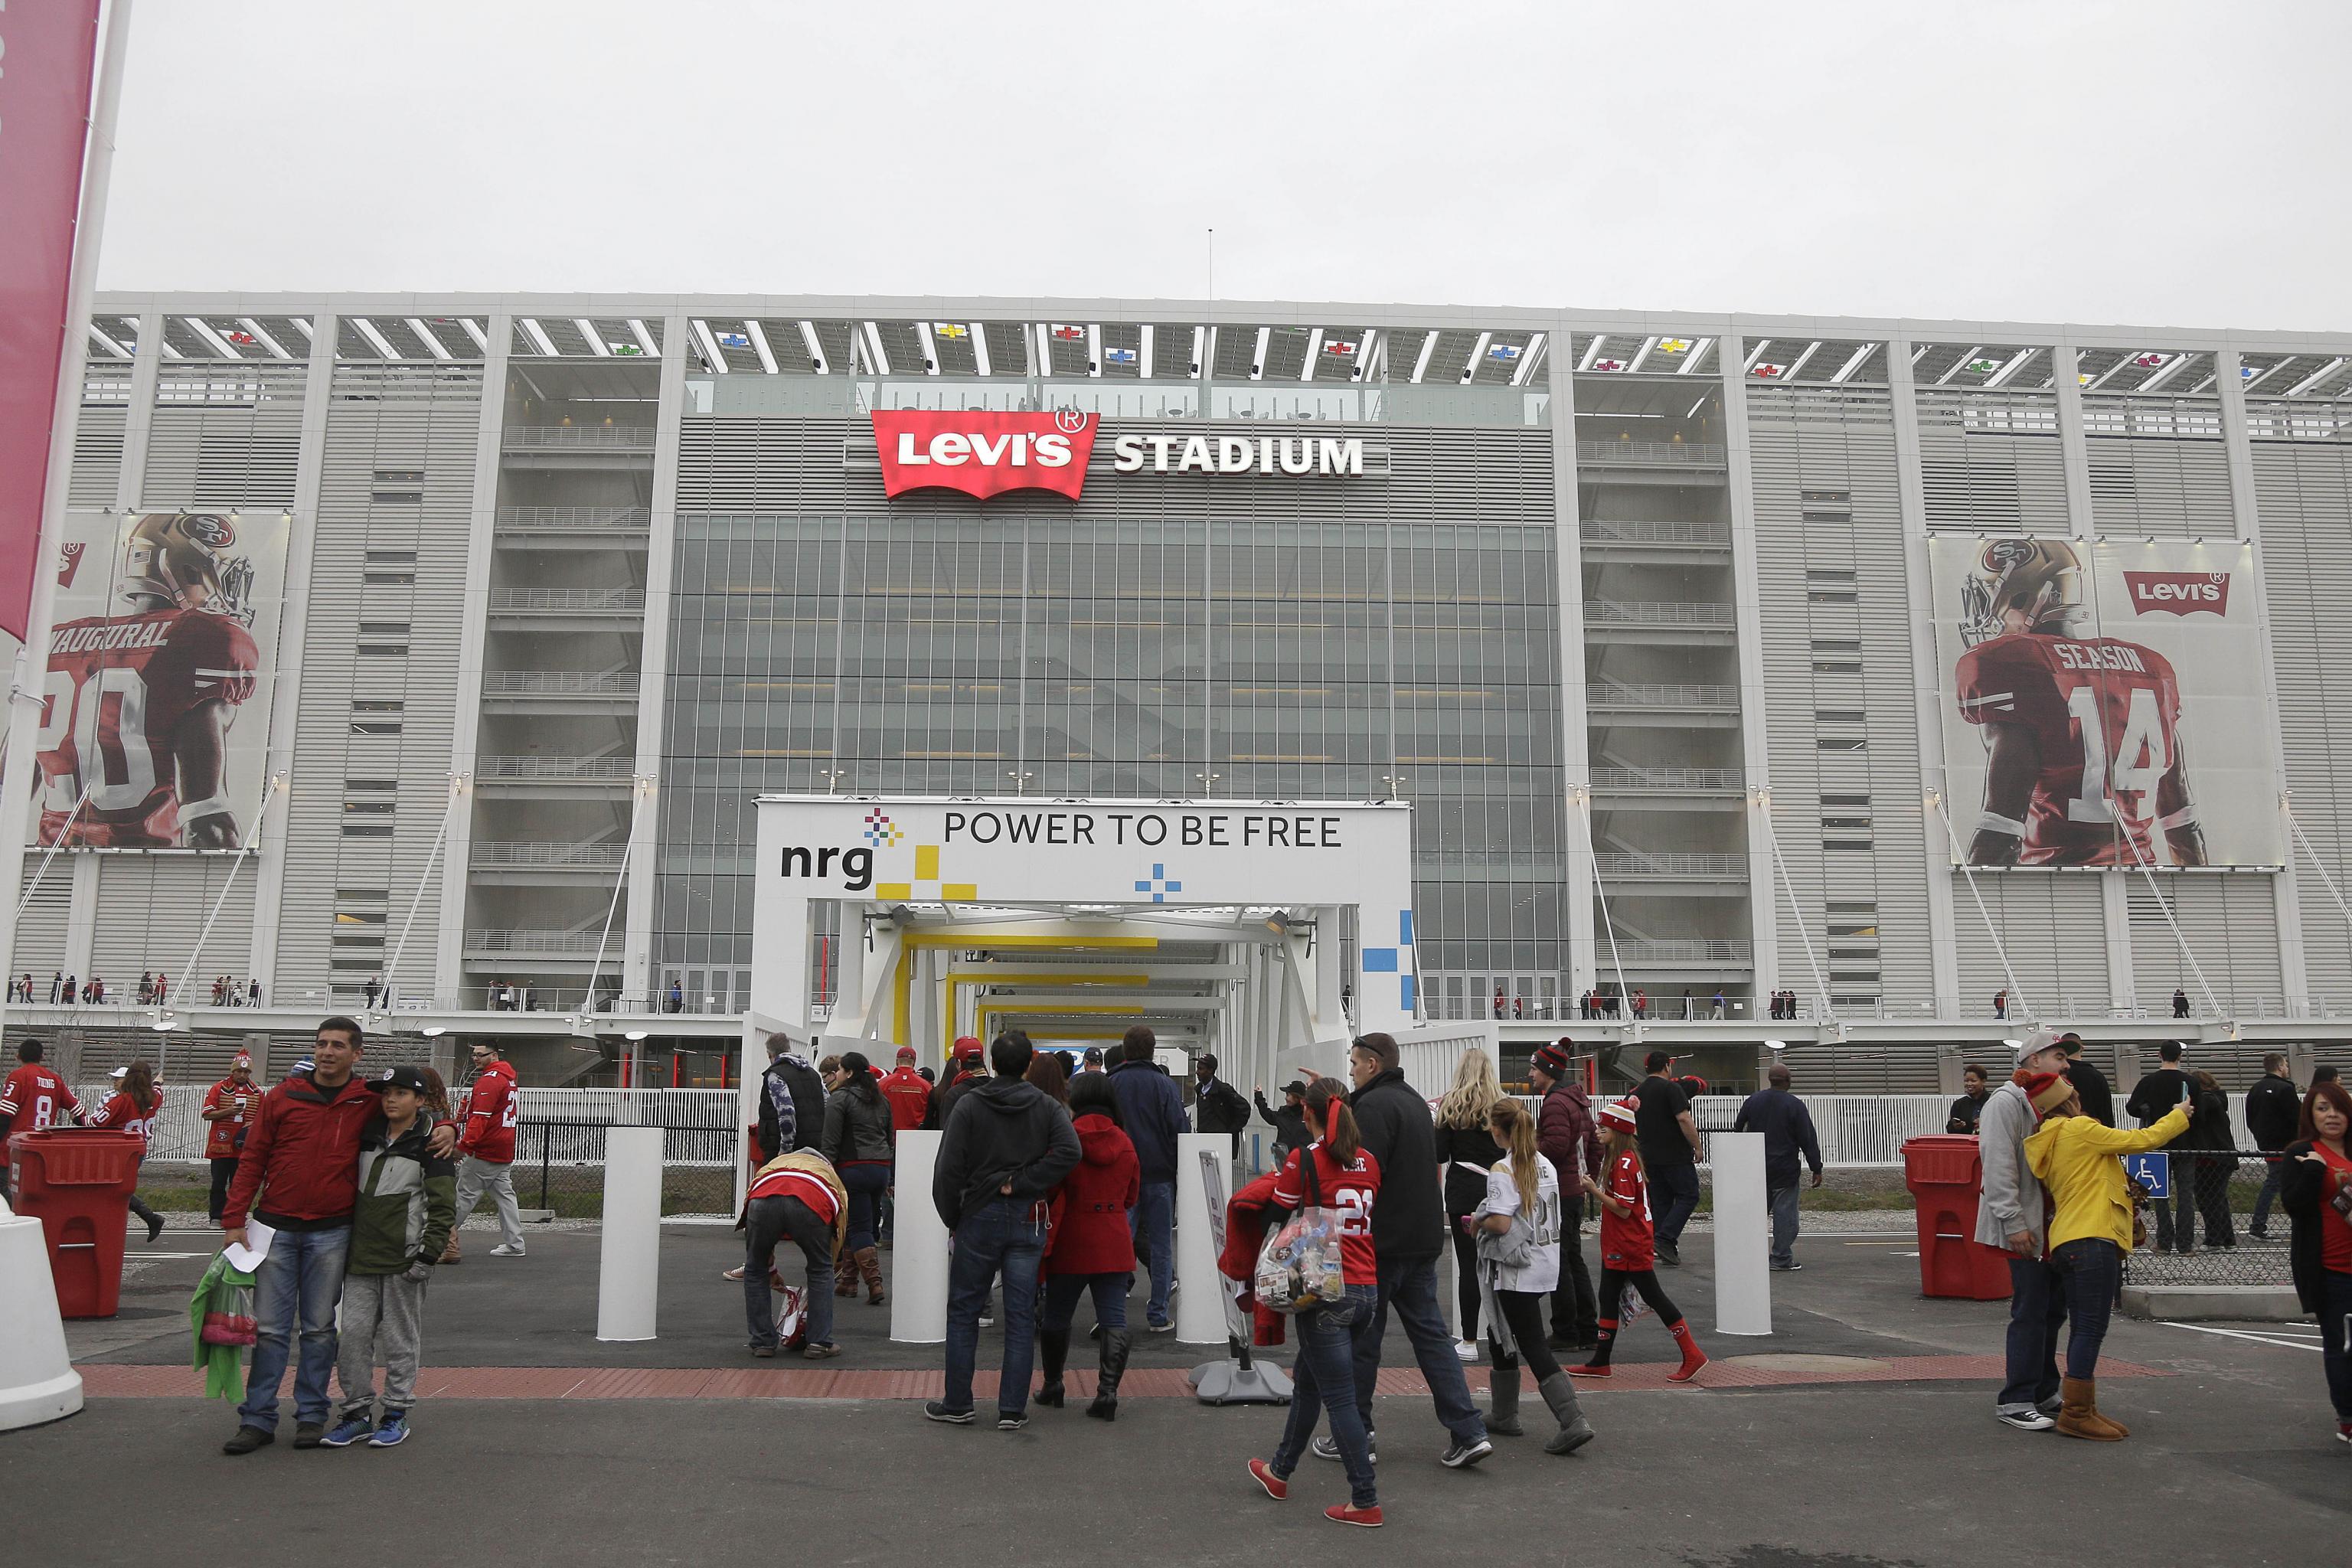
1346 1192
117 687
2105 716
1627 1244
490 1116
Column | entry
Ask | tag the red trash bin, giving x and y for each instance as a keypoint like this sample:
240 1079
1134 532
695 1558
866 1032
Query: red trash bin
77 1181
1945 1172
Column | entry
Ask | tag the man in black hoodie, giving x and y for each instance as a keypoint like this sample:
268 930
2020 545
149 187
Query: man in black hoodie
2272 1111
1006 1148
1408 1234
2151 1098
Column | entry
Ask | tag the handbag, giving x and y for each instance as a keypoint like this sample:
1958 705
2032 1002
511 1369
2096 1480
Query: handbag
1298 1267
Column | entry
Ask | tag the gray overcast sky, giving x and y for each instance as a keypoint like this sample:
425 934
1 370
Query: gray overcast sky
2146 162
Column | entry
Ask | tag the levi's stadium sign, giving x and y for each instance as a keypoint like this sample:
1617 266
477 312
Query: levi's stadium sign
984 454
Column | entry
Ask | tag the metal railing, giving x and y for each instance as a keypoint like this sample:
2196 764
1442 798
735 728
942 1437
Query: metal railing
500 852
1685 950
572 600
1658 613
590 769
1669 778
1651 454
507 939
560 682
1599 533
609 438
1622 694
1676 863
565 519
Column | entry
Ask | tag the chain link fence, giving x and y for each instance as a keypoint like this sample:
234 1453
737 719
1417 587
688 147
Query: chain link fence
2203 1232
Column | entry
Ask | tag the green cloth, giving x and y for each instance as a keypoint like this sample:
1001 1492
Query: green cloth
222 1365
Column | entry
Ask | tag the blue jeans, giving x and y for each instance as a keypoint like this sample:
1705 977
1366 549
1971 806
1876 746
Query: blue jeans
2037 1316
297 1288
1151 1223
1322 1380
1062 1291
1679 1181
1783 1204
2336 1353
767 1222
1007 1235
866 1183
2091 1268
1409 1284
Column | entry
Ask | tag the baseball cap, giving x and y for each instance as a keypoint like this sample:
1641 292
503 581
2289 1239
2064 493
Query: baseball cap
968 1045
1295 1086
906 1053
1094 1057
401 1077
119 1072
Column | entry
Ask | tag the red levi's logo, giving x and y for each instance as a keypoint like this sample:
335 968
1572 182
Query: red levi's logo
2178 593
984 454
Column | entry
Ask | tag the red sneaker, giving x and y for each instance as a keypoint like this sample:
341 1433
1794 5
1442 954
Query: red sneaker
2343 1431
1591 1369
1344 1513
1692 1361
1275 1487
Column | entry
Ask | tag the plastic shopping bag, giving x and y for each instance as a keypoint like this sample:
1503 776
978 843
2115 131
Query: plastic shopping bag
1631 1307
1298 1267
792 1312
228 1309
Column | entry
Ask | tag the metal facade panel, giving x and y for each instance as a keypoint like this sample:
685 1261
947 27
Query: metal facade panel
2054 930
2229 924
150 911
1990 462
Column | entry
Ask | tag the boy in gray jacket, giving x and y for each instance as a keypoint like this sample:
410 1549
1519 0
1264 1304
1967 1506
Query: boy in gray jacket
2013 1215
407 1204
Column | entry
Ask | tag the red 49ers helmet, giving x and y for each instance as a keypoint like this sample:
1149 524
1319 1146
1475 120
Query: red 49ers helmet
2039 579
172 555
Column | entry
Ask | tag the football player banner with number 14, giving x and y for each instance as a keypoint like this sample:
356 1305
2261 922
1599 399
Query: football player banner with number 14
157 652
2103 704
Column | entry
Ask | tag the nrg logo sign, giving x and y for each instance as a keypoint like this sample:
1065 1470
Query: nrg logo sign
857 865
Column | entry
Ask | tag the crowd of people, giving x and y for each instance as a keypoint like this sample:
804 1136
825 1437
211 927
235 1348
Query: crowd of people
154 989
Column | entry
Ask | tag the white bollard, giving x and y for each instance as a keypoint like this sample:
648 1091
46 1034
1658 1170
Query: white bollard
1743 1279
37 1382
1201 1302
919 1248
628 1282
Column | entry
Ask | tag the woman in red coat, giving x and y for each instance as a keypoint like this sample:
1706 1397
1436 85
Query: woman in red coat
1091 1245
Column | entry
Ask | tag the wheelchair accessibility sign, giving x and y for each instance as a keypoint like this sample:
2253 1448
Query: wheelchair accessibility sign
2152 1174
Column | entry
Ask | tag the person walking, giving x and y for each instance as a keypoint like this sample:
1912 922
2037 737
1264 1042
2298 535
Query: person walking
133 1106
228 1116
2209 1169
858 1140
1467 1150
1152 1113
908 1094
1006 1148
2074 1157
1408 1233
1976 1085
1517 1224
2316 1193
400 1222
300 1164
964 1073
1788 1129
487 1148
1090 1248
2098 1098
2151 1098
2180 1003
1627 1248
791 1101
1217 1106
33 1099
367 992
1336 1171
2273 1117
796 1196
2013 1217
1670 1150
1567 1136
1289 1123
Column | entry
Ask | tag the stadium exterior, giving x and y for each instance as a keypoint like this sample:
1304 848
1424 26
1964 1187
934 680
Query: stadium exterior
1638 612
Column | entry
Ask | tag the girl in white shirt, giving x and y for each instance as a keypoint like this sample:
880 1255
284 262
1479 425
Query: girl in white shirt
1518 1229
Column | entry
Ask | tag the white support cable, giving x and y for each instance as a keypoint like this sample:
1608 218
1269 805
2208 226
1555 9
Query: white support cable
1796 911
64 828
423 879
1608 925
588 1004
2164 906
2318 865
188 970
1969 874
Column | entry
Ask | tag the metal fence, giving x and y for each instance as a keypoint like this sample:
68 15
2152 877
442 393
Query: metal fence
2214 1197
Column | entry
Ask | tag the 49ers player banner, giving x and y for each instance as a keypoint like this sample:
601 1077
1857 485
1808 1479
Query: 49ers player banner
155 704
2103 704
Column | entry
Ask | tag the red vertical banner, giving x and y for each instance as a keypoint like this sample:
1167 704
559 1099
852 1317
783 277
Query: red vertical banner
47 50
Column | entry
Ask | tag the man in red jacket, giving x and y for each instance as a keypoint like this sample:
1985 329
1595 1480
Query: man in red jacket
298 1174
1567 1136
487 1148
908 1094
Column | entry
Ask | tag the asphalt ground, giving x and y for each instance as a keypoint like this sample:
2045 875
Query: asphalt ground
2230 1461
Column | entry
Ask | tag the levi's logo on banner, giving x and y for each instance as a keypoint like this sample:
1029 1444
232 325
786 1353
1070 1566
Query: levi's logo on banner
984 454
2178 593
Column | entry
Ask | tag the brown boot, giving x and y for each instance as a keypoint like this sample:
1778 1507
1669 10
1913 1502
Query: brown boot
869 1263
845 1273
2078 1415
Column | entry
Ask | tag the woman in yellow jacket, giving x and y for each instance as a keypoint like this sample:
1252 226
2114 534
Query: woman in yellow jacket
2076 1158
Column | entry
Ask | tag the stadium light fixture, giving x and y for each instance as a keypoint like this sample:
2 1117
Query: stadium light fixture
635 1035
595 339
711 350
759 345
980 346
1528 358
639 331
815 346
1477 355
434 1031
538 335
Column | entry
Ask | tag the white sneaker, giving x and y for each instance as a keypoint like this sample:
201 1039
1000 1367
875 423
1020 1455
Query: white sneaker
502 1251
1467 1350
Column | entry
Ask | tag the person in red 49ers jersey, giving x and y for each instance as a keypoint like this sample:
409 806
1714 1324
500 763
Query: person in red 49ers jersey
486 1151
32 1100
2082 734
136 709
1629 1249
134 1106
